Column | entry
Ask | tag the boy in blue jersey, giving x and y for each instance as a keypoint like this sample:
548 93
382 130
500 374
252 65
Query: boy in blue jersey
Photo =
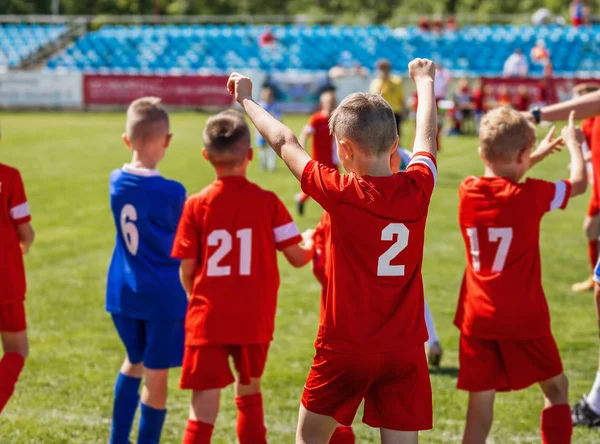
144 294
268 158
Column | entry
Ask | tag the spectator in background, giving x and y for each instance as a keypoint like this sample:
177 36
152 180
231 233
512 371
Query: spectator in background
542 16
390 88
442 82
579 13
516 65
541 55
451 24
438 26
267 38
424 24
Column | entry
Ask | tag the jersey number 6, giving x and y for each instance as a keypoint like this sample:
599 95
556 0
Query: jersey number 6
128 228
384 267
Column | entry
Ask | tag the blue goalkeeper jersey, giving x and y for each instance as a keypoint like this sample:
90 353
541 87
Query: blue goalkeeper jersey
143 279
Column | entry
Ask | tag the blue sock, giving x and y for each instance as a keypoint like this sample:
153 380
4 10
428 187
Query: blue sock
126 401
151 424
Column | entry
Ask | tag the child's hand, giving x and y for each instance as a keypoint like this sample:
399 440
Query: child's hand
421 69
239 86
549 145
572 135
308 238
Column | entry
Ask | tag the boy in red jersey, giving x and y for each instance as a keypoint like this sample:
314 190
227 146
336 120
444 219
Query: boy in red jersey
591 223
502 314
229 270
370 342
323 144
16 236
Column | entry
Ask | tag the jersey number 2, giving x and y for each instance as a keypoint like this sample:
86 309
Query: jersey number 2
504 235
384 267
128 228
224 240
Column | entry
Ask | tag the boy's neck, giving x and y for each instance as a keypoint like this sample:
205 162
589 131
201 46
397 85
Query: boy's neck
501 172
230 172
139 161
374 168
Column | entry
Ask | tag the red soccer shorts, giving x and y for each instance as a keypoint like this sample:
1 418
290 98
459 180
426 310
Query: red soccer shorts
594 205
12 317
394 385
505 365
207 367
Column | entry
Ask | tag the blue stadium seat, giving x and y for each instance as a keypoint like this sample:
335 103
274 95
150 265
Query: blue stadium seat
17 42
471 50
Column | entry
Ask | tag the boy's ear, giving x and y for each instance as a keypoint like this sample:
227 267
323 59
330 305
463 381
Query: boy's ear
204 153
522 155
346 148
126 140
250 155
168 140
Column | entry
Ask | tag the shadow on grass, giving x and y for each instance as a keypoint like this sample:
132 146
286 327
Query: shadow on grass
444 371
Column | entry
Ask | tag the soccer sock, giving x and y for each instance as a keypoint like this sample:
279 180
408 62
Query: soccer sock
151 424
593 253
11 366
124 407
593 399
342 435
556 425
433 337
197 432
251 419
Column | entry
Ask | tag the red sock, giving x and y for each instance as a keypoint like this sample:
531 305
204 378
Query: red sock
556 425
11 365
197 432
593 253
251 419
343 435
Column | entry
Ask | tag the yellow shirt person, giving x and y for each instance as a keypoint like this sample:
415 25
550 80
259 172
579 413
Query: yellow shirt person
390 88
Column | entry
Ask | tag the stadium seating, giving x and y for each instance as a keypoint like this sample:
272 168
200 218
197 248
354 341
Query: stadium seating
471 50
19 41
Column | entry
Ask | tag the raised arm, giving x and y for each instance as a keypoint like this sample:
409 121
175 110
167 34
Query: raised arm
585 106
278 136
574 138
548 146
422 72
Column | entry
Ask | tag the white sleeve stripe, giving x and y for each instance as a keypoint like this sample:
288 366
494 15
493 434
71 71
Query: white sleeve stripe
309 129
285 232
559 195
426 161
20 211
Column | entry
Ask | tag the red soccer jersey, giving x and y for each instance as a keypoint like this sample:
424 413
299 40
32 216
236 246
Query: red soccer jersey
587 126
374 299
14 210
501 295
322 240
234 229
323 143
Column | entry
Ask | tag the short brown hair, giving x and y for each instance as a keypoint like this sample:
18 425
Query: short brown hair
368 120
505 132
147 118
227 138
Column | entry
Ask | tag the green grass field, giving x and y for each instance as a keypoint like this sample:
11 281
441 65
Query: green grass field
65 392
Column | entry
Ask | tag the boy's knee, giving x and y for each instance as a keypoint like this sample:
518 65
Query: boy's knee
132 370
248 389
556 390
591 228
16 343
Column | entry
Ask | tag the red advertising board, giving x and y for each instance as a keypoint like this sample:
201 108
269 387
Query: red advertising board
538 90
186 91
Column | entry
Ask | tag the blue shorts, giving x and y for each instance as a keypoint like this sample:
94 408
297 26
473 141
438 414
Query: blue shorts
158 344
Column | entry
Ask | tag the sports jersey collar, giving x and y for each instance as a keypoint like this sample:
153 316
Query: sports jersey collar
232 179
143 172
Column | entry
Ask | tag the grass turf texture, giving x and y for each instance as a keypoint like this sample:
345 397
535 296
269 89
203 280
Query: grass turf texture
65 392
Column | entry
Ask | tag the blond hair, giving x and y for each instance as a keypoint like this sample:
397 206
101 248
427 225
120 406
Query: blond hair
366 119
227 138
505 132
146 119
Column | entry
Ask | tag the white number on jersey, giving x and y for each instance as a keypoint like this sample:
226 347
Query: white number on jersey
504 235
128 228
224 240
384 267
